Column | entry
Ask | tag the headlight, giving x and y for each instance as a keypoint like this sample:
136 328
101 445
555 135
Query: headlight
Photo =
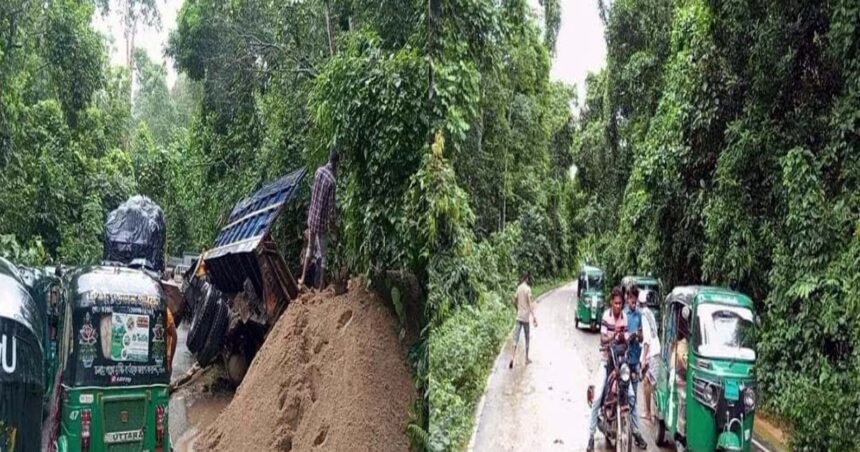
595 302
749 399
706 392
625 373
709 396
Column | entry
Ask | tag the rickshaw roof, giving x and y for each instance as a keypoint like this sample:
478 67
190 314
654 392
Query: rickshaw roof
649 280
591 270
686 295
17 304
135 286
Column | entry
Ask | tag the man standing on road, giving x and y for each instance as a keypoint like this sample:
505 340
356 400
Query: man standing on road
523 303
650 356
613 326
321 210
634 353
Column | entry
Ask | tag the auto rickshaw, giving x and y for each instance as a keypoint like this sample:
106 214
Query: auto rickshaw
45 287
649 292
590 298
705 394
113 357
21 364
114 354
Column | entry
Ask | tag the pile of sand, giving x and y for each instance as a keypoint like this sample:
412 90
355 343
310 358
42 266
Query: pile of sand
332 375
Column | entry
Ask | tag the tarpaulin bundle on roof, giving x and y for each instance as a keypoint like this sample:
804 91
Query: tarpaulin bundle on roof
135 231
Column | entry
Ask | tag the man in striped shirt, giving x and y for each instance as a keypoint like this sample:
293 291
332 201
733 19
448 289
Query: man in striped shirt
613 326
321 211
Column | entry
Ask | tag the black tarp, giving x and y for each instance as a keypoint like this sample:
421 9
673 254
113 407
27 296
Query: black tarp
135 231
21 364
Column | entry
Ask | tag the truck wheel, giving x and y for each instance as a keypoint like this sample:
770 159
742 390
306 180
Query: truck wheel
236 365
206 308
216 334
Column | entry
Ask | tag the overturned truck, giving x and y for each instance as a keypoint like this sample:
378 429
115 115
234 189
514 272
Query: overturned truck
237 290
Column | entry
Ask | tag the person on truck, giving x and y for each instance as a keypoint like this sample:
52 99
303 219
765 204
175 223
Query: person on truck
321 210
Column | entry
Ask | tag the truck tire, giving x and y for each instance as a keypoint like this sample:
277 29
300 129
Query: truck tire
206 308
237 366
216 334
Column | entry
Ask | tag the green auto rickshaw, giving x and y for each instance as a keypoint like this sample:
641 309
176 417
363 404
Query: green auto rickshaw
705 393
590 299
113 358
21 364
649 292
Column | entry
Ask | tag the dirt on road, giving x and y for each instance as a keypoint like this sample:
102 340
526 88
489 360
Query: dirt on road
332 375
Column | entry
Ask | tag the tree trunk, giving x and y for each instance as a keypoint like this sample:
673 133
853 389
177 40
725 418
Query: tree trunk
331 47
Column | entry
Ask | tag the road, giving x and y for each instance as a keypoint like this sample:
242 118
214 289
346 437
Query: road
542 406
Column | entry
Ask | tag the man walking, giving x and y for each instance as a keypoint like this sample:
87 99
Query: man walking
523 303
320 212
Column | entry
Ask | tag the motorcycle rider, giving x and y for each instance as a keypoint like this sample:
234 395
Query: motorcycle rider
613 327
634 352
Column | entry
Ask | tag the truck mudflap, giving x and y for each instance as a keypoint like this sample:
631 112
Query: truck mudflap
244 250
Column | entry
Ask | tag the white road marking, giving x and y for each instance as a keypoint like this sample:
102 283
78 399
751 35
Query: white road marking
760 445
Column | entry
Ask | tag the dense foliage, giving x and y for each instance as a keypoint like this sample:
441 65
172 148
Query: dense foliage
719 146
70 148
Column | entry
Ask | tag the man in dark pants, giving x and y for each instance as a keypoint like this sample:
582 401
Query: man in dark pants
320 213
634 352
523 303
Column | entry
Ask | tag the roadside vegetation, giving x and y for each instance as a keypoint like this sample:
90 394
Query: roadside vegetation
504 202
719 145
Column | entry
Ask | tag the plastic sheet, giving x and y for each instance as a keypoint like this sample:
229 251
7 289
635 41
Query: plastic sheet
135 232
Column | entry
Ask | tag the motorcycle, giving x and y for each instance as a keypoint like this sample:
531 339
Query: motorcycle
614 416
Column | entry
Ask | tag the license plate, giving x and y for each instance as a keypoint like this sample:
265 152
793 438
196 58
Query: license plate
732 390
124 437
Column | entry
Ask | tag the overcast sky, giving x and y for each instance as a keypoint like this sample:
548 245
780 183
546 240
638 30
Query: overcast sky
580 48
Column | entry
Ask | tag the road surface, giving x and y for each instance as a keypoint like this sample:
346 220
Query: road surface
542 406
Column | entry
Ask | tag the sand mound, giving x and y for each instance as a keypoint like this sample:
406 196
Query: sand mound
332 375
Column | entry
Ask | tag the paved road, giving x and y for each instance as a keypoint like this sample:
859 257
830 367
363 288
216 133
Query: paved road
542 406
177 420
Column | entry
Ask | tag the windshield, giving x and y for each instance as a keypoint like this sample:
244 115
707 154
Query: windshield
594 283
725 332
647 293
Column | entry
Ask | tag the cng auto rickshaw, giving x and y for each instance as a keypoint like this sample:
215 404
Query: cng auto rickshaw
590 299
21 364
114 361
113 354
649 292
705 393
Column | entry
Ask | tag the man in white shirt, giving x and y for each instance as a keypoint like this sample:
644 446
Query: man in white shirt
650 355
523 303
